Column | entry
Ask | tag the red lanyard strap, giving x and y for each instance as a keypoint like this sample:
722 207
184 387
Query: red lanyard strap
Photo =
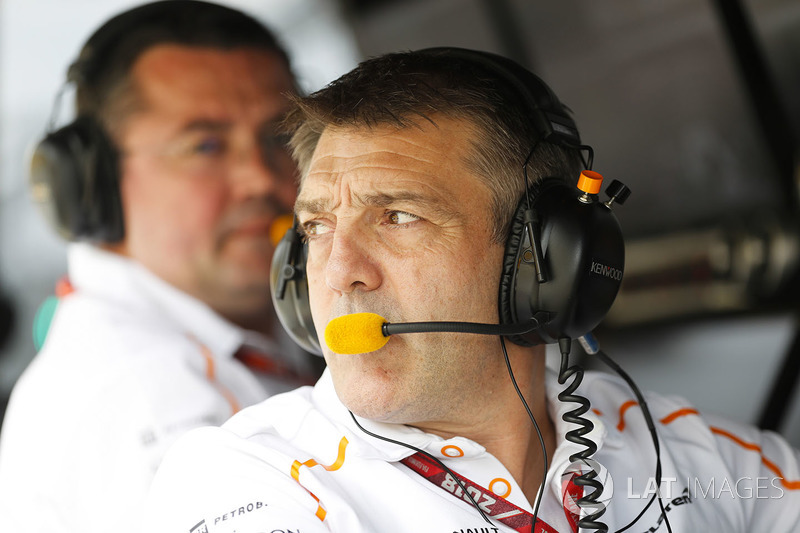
493 505
262 362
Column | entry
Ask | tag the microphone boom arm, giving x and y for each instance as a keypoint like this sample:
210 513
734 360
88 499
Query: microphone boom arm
504 330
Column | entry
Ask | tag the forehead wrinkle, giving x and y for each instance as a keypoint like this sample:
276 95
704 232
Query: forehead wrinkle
320 203
394 174
395 154
328 162
381 199
415 167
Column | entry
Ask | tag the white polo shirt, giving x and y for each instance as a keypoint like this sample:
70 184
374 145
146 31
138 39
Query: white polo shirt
298 463
129 364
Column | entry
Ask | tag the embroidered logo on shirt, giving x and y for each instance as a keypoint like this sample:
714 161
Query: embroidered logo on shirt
239 511
683 499
202 527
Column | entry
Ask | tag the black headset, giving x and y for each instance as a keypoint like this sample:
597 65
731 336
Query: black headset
564 254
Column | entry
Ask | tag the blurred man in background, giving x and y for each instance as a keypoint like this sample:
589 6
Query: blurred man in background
170 181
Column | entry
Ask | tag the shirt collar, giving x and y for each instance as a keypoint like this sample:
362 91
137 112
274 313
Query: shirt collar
328 402
112 277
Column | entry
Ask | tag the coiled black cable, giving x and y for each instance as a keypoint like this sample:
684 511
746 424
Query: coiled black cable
591 347
588 502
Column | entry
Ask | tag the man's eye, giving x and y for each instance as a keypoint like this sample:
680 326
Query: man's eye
401 217
314 228
209 146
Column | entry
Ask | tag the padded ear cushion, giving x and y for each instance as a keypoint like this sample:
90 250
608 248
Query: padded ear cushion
104 200
517 254
74 179
506 295
289 290
584 257
511 256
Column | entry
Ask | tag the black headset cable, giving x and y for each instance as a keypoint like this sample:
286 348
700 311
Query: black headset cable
591 347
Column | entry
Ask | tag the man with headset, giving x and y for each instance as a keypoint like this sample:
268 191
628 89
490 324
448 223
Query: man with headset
169 181
431 182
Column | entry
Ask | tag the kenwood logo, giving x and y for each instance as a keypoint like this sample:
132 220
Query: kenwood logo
606 271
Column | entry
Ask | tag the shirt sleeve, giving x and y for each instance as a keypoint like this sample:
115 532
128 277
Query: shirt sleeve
765 475
214 482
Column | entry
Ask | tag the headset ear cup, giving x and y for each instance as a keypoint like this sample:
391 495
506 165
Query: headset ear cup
289 290
567 242
56 180
586 251
600 269
584 257
74 179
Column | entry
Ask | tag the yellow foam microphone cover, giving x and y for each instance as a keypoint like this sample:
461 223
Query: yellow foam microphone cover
355 333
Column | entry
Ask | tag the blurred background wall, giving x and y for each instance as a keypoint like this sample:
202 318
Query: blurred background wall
694 104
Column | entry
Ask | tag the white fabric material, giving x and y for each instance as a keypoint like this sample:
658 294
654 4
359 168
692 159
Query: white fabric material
238 478
129 364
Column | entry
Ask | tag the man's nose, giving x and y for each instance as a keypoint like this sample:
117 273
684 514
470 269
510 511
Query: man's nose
259 174
352 264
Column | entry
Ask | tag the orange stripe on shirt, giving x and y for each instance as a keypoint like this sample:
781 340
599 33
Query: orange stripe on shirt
336 465
622 408
64 287
677 414
211 375
788 484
